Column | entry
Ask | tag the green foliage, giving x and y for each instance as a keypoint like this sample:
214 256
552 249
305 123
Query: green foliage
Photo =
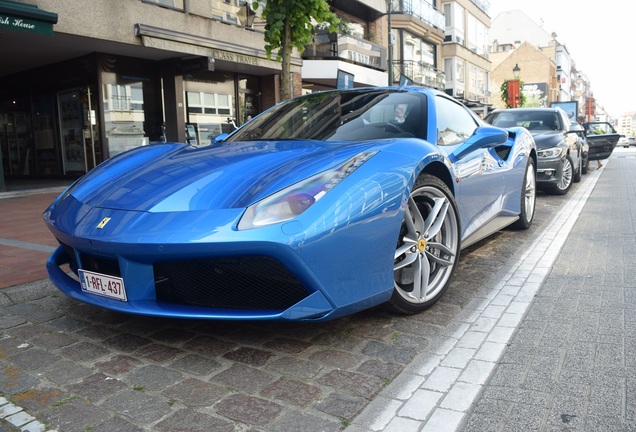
295 17
504 94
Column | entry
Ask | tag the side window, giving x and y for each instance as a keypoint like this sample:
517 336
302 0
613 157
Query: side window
454 122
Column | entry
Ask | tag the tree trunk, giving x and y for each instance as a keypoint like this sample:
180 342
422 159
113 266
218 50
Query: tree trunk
285 81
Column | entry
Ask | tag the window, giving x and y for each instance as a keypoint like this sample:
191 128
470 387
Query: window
418 50
460 75
208 103
176 4
448 70
337 117
121 97
454 16
455 124
476 36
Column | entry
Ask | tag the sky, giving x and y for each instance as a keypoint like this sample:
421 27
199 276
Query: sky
600 37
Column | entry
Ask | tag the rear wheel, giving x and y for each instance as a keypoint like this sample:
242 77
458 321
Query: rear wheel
428 247
528 197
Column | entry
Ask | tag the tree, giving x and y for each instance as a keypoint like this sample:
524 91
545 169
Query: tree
288 25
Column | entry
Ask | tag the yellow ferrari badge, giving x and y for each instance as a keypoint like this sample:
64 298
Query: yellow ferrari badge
103 223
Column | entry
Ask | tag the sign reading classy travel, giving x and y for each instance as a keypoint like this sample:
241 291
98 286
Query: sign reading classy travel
234 57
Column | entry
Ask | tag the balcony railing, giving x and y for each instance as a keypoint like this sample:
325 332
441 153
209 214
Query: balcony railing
423 11
420 73
335 46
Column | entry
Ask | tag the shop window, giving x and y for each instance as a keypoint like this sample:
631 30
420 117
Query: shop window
124 97
209 113
124 114
209 103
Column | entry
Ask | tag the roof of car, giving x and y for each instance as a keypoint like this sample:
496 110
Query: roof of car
551 109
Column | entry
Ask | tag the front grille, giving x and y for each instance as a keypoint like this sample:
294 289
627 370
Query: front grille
107 266
70 252
94 263
503 151
260 283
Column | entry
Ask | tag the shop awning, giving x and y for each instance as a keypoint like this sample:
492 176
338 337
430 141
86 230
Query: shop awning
26 17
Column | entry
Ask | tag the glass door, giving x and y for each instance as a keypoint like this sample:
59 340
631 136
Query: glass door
78 133
72 132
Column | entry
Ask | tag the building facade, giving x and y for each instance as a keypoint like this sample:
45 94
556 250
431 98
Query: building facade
90 79
465 52
547 69
379 42
107 76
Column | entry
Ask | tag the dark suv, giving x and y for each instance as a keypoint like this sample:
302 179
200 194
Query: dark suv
559 151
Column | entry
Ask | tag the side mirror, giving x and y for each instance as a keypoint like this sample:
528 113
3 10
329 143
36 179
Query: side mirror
483 137
219 138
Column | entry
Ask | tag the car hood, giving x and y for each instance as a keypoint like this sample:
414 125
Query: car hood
177 177
547 139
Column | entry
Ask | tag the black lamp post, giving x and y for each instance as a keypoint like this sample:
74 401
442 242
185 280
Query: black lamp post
389 11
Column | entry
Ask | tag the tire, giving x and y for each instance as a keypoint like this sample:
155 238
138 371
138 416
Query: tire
528 197
565 182
428 247
578 174
584 166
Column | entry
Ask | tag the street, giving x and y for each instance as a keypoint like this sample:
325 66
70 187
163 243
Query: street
73 367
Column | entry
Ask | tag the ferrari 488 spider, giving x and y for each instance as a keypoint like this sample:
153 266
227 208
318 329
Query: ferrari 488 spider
321 206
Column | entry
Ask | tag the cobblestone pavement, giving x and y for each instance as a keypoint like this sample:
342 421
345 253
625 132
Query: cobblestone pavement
73 367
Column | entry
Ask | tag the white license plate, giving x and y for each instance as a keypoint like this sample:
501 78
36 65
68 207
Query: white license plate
101 284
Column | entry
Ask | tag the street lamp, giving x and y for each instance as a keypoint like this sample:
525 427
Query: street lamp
514 88
389 11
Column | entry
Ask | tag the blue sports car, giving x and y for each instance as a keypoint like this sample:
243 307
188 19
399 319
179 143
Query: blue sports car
322 206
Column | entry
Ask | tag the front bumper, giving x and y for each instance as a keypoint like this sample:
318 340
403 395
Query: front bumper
308 280
549 172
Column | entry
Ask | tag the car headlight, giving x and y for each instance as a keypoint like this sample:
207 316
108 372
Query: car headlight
295 199
551 152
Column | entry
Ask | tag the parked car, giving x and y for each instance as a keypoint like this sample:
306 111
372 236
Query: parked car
322 206
560 153
631 141
623 142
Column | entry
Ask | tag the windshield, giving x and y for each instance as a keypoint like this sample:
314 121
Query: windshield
531 120
354 115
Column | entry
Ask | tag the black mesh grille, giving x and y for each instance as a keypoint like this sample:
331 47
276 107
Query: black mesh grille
232 283
503 151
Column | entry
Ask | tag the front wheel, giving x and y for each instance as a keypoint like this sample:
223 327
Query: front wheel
528 197
564 183
428 247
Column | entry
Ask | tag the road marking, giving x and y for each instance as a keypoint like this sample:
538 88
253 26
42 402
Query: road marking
26 245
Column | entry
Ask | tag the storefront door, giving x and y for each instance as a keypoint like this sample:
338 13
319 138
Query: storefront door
78 130
15 143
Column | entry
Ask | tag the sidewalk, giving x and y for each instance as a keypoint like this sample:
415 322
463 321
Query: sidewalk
571 364
25 242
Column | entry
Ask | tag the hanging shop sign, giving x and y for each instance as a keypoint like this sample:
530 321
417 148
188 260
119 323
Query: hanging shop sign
24 17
